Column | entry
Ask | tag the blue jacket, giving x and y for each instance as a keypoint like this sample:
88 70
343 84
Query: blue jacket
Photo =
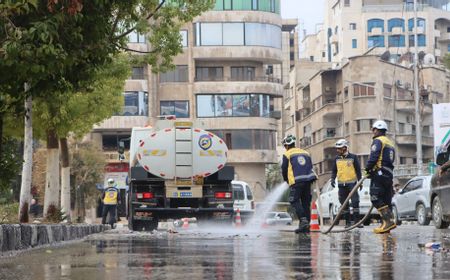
382 157
297 166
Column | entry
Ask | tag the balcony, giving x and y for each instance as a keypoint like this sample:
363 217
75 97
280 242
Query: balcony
408 105
437 33
376 31
252 156
113 156
122 122
397 31
445 37
420 30
410 140
263 85
250 53
408 171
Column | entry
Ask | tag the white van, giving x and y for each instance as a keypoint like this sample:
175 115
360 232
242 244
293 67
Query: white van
243 198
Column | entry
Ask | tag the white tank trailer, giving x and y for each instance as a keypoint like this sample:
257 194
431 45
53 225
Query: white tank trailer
176 171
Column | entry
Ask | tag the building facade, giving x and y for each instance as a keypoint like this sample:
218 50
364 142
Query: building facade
228 78
356 27
344 102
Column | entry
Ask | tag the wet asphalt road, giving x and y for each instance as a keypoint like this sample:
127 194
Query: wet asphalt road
217 253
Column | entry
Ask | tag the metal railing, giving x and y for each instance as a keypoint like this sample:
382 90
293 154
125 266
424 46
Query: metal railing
409 170
239 79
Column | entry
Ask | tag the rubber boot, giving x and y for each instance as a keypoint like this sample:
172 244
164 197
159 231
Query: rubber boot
355 219
303 226
388 221
348 221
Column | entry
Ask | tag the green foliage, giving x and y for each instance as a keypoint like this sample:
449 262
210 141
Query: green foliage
447 60
88 164
9 213
273 176
10 164
77 112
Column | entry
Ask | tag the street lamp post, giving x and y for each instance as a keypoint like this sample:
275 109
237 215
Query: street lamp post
416 97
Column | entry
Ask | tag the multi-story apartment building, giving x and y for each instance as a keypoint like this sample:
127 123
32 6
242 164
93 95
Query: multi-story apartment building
354 27
344 102
228 79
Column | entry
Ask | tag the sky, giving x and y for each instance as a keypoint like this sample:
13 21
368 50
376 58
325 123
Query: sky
309 13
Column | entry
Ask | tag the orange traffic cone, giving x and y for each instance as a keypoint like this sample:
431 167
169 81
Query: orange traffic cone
314 224
237 221
185 223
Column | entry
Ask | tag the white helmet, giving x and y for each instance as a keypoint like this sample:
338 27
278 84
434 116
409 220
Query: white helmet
341 143
288 140
380 124
110 181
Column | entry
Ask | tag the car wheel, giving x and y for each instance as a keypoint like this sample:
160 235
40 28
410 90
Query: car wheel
437 214
421 215
395 214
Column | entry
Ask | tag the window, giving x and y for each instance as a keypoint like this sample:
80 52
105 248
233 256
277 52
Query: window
396 41
247 139
354 43
111 142
375 23
236 105
135 103
387 90
364 125
396 22
205 106
135 37
324 54
238 192
361 90
255 4
420 23
211 34
421 40
233 34
347 3
209 74
347 128
375 41
448 47
137 73
178 75
448 29
184 38
179 109
244 73
352 26
227 5
346 93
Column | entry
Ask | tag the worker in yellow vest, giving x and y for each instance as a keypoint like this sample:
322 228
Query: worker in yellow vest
347 170
111 198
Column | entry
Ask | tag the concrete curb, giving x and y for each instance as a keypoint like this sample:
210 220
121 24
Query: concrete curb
23 236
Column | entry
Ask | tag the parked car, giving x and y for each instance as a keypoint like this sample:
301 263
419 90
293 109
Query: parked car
278 218
243 199
330 201
440 191
412 202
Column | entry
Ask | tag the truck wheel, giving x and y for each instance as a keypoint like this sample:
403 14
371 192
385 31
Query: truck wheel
421 215
437 214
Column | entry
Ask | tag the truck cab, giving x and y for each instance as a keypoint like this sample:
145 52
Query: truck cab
177 171
440 190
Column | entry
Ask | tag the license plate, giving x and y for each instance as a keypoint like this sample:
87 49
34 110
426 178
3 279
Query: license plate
182 194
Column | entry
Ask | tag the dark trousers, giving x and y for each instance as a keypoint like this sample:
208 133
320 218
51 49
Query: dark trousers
381 191
300 199
343 193
111 209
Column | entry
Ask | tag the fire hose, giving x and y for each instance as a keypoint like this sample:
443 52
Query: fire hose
341 210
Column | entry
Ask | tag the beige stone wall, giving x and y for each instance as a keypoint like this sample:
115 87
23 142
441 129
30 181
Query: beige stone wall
251 174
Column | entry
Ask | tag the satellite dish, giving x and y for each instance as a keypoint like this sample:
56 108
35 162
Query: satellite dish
429 59
386 56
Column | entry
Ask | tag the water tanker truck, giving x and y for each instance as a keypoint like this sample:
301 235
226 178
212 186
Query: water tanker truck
177 171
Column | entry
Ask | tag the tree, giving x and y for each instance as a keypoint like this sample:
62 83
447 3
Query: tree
77 113
273 176
56 47
88 167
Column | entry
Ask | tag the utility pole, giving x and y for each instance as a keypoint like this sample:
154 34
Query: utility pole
416 97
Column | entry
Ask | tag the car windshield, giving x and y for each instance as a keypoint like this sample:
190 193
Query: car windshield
270 215
238 192
284 215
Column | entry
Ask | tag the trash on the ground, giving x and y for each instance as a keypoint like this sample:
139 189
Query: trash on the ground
435 246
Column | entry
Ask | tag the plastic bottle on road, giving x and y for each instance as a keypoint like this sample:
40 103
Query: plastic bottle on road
433 245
